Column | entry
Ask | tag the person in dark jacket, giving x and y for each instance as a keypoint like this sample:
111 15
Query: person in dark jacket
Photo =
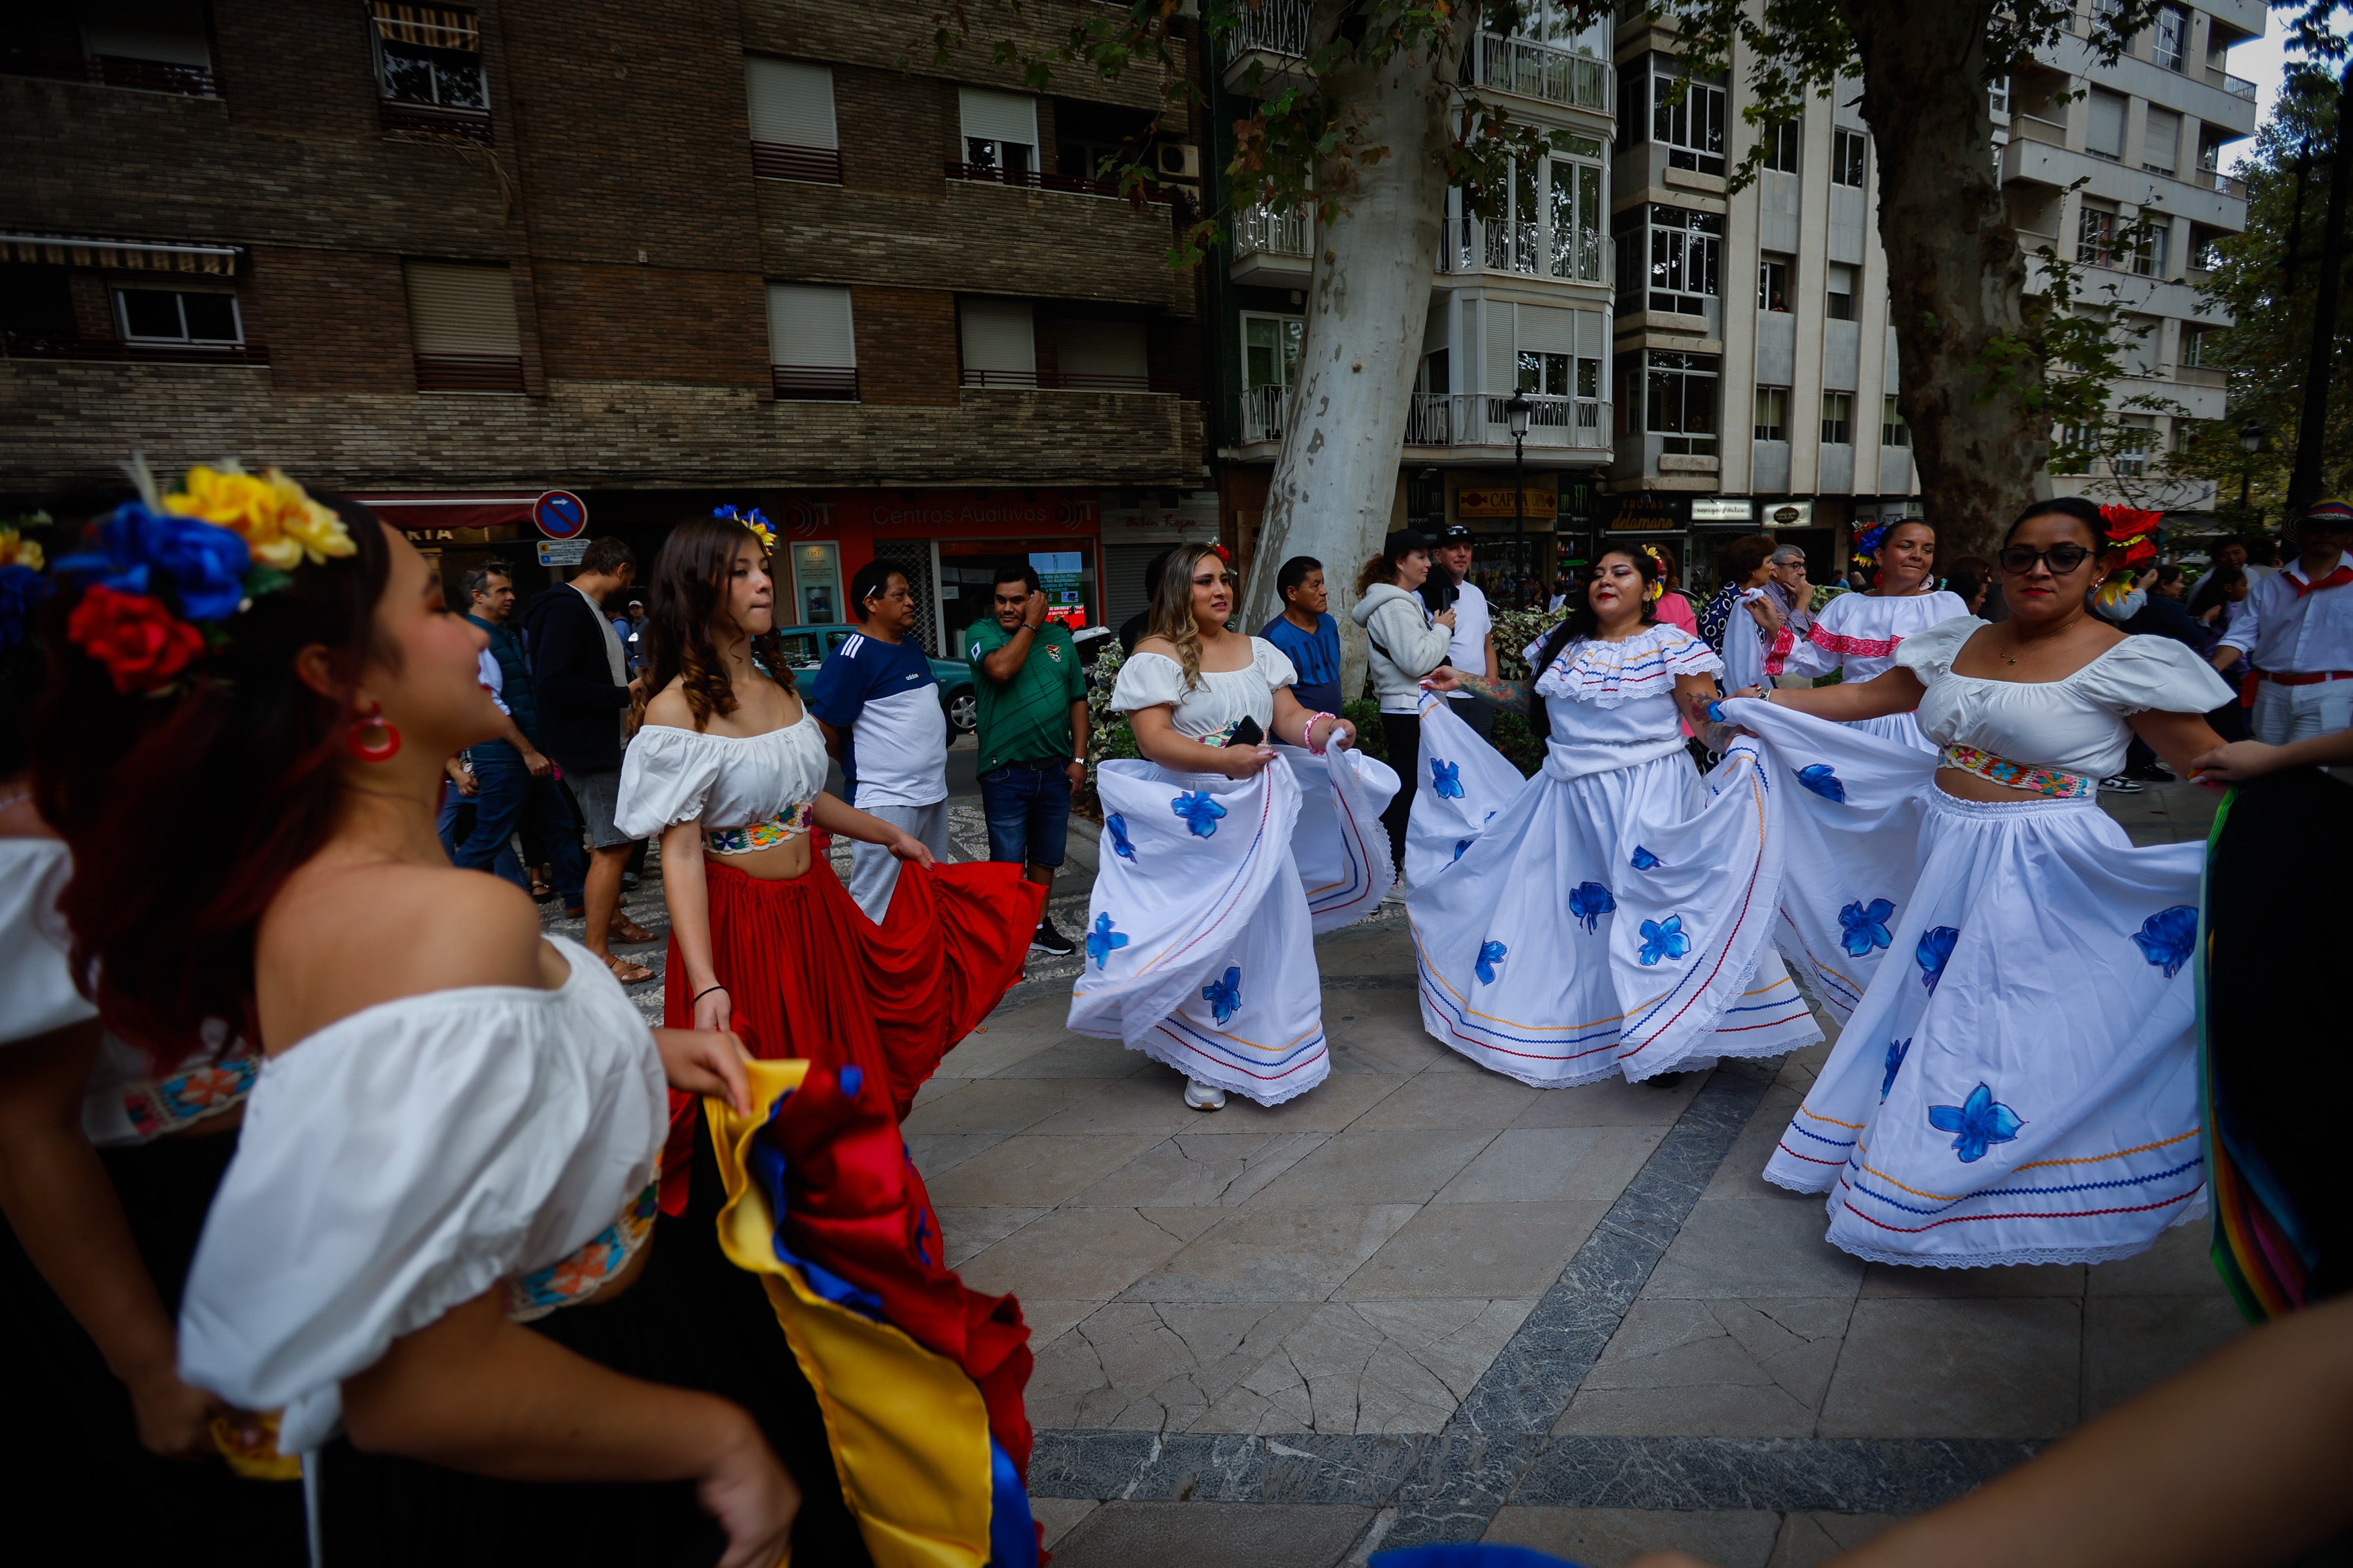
584 691
513 783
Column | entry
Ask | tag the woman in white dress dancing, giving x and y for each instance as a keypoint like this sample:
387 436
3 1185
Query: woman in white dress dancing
1857 634
2017 1078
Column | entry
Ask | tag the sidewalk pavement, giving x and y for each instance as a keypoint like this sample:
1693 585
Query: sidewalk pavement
1425 1303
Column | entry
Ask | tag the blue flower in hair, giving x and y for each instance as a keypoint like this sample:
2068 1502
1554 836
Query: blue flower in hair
1865 926
1116 825
1224 997
1935 950
1103 942
1664 939
1896 1051
1644 861
1818 778
22 588
2168 937
1490 953
206 564
1200 812
1588 901
1977 1123
1446 778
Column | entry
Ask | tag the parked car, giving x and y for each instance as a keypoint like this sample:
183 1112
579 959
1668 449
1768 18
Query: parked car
807 646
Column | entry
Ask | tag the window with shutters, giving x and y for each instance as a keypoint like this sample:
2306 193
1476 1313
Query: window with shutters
1000 342
793 133
461 320
1839 292
428 63
2103 132
1000 137
1101 356
1838 418
1772 413
2160 142
812 347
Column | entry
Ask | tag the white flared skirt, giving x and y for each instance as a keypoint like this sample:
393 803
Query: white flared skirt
1200 941
2016 1081
1901 727
1614 923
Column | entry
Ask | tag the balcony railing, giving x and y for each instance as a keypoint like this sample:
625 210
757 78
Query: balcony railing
1272 27
43 345
1535 69
2215 180
109 70
782 161
1261 411
815 384
1263 231
1473 245
2236 86
435 118
1073 381
1034 180
1481 419
2034 127
469 373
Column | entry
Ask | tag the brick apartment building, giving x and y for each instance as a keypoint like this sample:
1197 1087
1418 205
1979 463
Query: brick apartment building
659 254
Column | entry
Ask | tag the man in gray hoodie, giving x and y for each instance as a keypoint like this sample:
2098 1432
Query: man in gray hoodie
1406 643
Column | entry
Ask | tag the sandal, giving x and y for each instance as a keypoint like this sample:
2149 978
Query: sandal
539 892
629 933
627 972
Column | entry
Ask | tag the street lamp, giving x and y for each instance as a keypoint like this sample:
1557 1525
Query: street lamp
2251 441
1515 414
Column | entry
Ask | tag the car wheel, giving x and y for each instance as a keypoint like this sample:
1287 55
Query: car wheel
964 711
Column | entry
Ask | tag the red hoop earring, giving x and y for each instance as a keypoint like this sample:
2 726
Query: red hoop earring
382 750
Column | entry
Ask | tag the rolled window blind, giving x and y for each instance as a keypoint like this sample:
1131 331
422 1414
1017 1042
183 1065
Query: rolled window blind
1000 116
998 336
2104 129
2161 147
808 325
791 102
1547 330
461 308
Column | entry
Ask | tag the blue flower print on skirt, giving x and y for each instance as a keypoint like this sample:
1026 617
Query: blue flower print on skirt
1896 1051
1446 778
1116 825
1644 861
1103 942
1664 939
1490 953
1460 846
1225 995
2168 937
1935 950
1865 926
1977 1123
1200 812
1588 901
1818 778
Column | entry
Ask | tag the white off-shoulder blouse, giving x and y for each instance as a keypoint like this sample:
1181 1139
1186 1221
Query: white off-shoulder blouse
1223 699
670 775
410 1157
36 988
1859 634
1611 705
2076 725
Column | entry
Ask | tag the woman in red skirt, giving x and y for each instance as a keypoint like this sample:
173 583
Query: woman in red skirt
730 769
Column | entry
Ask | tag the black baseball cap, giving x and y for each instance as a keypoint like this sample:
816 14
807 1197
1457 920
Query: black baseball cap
1454 531
1402 540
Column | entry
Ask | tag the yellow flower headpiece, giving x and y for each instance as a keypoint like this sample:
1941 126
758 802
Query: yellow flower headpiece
753 519
1658 583
15 550
279 521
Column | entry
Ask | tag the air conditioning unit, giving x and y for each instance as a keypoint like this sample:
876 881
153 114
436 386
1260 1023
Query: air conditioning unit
1180 160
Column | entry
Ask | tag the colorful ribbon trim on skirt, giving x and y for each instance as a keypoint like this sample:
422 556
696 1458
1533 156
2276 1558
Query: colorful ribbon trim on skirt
2057 784
790 823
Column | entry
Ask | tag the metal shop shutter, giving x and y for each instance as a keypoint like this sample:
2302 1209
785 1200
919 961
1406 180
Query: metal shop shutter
809 324
791 103
461 308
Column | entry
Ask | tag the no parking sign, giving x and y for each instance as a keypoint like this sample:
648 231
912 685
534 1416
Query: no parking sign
560 514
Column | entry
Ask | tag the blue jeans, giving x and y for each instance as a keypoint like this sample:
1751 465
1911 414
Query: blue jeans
508 798
1028 812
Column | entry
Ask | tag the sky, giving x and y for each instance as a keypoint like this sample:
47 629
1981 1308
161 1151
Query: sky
2263 61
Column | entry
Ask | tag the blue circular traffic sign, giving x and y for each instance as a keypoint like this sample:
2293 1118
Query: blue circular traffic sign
560 514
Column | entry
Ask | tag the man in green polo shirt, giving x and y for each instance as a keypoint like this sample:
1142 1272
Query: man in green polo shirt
1032 697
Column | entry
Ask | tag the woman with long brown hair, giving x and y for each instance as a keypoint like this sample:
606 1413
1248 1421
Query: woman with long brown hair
729 768
1199 950
434 1250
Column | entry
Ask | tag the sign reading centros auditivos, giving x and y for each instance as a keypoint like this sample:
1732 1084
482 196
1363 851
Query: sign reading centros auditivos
1543 500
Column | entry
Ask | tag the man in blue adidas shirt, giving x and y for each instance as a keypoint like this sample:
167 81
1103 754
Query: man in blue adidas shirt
878 705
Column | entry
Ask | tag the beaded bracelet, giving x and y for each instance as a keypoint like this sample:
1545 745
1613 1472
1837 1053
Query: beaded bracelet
1307 735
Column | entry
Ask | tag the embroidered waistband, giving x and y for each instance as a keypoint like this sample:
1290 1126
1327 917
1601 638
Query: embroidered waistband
788 823
157 1106
575 1279
2032 778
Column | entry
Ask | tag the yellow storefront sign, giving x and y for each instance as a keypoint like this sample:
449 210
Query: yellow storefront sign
1542 500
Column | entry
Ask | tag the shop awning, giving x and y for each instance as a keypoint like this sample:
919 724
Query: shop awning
131 255
423 513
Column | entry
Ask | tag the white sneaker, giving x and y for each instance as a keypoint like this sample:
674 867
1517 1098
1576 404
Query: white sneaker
1202 1097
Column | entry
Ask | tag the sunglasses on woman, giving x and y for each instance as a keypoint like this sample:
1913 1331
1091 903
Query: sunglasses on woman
2020 559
